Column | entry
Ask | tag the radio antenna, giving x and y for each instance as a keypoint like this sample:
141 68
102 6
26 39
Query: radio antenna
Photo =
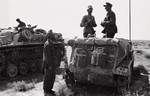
129 19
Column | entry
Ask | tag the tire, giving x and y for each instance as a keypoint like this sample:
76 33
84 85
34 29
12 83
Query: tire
11 70
32 66
26 35
23 68
123 85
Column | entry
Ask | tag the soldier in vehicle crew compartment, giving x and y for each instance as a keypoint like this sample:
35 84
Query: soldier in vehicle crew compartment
21 24
49 64
19 28
88 22
30 28
109 23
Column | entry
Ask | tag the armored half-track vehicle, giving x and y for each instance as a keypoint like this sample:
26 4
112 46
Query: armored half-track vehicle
22 51
100 61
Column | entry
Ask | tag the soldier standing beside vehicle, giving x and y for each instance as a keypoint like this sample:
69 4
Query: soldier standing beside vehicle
49 64
88 22
109 23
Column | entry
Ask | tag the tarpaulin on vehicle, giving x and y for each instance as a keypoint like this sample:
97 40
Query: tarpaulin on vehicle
116 51
97 41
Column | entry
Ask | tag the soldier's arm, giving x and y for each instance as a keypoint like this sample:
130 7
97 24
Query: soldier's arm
83 22
94 22
34 26
112 19
48 53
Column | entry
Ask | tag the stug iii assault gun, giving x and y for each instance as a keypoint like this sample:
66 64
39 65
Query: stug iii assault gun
101 61
22 51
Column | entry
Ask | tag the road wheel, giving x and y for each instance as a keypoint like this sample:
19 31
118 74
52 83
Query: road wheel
23 68
11 70
32 66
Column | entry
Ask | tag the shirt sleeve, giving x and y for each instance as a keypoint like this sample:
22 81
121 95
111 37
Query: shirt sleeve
83 22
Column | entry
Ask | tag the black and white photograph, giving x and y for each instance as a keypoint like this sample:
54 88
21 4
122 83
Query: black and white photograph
74 48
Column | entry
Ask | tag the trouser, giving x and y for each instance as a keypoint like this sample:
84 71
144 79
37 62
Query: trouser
110 35
86 34
49 79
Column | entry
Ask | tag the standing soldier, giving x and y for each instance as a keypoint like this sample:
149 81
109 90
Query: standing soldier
49 64
88 22
109 22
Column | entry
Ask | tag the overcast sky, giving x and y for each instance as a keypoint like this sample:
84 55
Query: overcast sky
64 16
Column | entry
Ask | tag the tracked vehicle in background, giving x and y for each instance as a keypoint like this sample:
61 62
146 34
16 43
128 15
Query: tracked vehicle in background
101 61
22 52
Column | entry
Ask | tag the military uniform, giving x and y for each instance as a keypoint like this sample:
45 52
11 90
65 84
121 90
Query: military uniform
21 24
88 22
109 23
49 64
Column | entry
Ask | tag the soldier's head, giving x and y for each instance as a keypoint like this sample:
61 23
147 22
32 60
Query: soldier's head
50 36
108 6
18 20
29 25
90 9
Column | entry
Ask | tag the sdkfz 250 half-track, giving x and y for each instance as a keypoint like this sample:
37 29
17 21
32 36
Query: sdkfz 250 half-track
100 61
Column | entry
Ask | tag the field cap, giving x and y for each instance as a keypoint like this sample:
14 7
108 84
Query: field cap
29 25
90 7
17 19
108 4
50 32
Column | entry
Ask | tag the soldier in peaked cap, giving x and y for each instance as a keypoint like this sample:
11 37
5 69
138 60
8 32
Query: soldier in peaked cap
109 23
108 4
88 22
